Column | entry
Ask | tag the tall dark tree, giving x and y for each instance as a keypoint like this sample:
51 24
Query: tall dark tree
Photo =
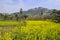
23 16
21 11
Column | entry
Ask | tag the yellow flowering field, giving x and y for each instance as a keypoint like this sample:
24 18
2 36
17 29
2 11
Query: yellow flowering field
32 30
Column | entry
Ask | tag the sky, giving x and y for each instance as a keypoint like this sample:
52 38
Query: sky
10 6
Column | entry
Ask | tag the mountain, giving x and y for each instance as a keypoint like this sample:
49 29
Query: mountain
37 11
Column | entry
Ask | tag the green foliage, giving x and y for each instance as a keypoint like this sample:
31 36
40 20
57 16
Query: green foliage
55 15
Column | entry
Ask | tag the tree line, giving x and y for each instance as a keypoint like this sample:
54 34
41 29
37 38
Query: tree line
18 16
13 16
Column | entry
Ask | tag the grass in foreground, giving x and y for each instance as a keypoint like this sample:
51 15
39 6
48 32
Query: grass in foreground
34 30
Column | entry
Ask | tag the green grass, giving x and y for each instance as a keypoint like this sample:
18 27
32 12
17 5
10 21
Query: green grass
34 30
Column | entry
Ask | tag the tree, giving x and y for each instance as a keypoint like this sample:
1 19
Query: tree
5 16
21 11
41 12
1 16
16 15
56 15
21 14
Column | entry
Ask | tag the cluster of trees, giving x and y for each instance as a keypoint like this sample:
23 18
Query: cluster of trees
55 15
18 16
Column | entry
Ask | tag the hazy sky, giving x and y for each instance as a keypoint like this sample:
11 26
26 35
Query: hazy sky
9 6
